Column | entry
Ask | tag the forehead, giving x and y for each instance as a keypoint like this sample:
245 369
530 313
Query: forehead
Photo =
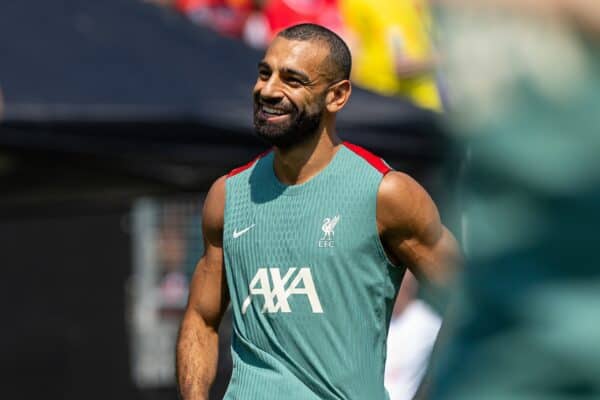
308 56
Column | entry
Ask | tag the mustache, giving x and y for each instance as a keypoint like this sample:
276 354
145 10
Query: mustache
280 104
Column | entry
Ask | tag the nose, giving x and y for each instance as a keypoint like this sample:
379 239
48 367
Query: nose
269 90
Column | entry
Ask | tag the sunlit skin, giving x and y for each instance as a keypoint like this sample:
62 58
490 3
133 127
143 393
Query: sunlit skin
288 79
290 90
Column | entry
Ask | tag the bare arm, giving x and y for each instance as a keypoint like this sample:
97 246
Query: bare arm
411 230
197 345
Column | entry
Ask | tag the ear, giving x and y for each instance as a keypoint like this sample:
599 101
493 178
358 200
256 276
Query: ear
338 95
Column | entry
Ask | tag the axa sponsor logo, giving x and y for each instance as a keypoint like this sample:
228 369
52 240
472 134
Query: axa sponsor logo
276 289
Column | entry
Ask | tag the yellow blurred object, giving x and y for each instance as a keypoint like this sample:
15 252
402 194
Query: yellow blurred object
385 32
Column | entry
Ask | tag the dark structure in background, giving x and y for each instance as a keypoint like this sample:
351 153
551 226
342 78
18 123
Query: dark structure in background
123 95
105 101
63 331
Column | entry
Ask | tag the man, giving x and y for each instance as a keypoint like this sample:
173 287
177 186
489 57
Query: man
312 238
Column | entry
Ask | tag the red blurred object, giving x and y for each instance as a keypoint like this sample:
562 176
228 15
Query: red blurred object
188 6
281 14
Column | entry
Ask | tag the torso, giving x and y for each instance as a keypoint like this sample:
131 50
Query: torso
311 288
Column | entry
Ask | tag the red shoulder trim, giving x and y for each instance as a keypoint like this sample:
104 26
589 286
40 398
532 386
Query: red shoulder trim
375 161
244 167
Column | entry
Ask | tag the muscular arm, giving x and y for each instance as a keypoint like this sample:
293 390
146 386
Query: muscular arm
411 230
197 345
413 235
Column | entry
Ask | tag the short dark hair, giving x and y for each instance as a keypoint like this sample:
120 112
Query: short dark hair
339 53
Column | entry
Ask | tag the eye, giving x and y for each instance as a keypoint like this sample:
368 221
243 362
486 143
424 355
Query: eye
294 82
264 74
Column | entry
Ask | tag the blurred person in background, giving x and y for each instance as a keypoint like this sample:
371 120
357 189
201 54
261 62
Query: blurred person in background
282 14
412 333
309 242
275 15
392 47
172 251
259 21
525 97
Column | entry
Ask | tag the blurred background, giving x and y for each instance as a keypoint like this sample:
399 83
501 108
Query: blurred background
116 116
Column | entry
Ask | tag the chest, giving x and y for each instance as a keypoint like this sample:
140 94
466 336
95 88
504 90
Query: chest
299 229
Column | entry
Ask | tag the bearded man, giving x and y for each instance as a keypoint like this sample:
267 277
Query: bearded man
308 242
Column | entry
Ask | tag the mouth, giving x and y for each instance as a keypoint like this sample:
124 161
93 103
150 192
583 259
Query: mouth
272 114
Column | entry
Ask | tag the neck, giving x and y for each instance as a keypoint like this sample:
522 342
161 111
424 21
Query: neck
300 163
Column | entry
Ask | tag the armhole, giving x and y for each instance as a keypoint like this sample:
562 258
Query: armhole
383 168
226 203
379 242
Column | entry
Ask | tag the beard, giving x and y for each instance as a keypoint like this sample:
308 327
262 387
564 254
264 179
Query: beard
297 128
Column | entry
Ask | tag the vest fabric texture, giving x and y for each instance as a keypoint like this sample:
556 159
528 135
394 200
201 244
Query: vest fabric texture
311 288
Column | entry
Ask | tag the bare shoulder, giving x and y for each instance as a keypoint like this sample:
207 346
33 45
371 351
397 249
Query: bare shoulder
412 232
405 207
395 184
213 213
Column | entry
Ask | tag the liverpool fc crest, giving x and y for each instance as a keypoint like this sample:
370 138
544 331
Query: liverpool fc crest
328 231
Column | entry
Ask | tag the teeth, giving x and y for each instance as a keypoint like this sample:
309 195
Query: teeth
275 111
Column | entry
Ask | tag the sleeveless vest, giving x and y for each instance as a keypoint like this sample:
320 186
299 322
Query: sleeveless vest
311 288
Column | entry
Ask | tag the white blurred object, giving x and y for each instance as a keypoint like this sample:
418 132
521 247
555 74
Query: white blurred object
256 31
410 341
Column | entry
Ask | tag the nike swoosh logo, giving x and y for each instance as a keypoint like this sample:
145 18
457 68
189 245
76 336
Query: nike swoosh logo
237 234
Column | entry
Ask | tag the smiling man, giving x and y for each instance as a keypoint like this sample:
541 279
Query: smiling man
309 243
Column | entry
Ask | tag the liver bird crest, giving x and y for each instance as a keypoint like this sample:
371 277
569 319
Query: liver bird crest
328 227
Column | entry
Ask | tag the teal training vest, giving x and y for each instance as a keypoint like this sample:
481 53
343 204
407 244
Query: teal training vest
311 288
